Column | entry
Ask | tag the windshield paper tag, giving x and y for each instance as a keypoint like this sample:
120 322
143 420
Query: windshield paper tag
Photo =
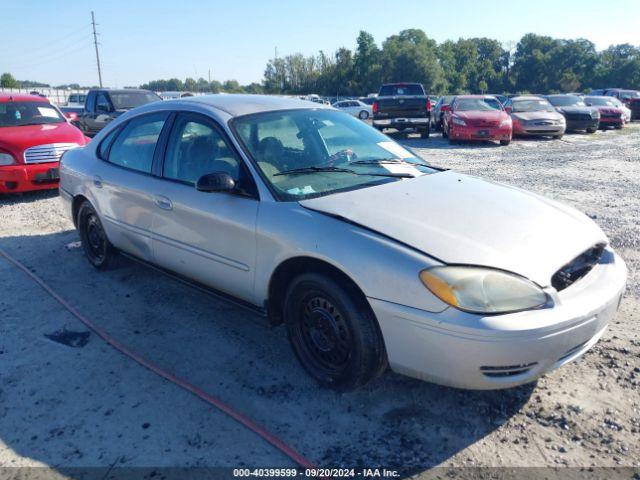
47 112
395 149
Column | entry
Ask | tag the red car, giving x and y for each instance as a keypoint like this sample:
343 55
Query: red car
33 137
610 115
477 117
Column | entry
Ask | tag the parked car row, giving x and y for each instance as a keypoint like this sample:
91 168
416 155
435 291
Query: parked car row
530 115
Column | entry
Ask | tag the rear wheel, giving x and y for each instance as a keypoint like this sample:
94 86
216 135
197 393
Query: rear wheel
333 332
445 134
95 243
424 133
363 115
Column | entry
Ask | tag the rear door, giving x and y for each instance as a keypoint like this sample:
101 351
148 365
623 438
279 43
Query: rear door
209 237
123 185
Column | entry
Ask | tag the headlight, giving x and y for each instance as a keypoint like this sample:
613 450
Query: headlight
505 122
482 290
458 121
6 159
595 114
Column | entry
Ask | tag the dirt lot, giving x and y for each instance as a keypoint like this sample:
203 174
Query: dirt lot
90 406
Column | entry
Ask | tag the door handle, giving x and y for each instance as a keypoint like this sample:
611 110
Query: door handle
163 202
97 181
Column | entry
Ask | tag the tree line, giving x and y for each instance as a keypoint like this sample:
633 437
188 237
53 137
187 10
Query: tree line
535 64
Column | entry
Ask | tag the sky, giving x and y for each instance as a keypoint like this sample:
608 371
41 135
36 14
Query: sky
51 40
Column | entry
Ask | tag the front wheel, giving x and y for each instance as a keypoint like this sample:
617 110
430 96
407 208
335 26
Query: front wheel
333 332
445 134
557 137
591 130
95 243
363 115
505 142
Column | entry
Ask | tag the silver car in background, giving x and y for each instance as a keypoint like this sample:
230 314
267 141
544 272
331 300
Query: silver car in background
369 255
535 116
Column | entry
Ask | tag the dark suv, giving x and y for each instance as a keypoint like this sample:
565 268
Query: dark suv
103 105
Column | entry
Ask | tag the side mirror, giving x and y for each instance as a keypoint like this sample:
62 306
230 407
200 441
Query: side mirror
216 182
508 109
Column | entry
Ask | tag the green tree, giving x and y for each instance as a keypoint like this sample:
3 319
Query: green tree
366 64
410 56
7 81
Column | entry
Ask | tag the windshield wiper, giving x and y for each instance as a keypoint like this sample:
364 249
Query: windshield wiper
295 171
382 161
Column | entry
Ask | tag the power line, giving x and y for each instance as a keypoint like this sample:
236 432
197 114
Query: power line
50 47
95 43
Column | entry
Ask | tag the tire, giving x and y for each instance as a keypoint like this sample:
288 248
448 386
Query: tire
619 127
505 142
97 248
424 133
558 137
591 130
445 134
333 332
363 115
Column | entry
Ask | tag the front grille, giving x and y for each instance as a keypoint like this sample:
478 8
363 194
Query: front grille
611 115
578 116
577 268
483 123
506 371
50 152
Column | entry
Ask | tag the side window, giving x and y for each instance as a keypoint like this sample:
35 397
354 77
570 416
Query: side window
102 103
196 148
135 144
104 145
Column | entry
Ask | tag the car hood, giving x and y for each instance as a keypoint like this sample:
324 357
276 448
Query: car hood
17 139
576 109
540 115
460 219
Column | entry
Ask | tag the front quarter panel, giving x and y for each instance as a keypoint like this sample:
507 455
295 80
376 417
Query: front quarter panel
381 267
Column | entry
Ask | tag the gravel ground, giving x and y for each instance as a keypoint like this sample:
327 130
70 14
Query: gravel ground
86 405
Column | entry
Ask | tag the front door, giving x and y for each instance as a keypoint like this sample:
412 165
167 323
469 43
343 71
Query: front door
209 237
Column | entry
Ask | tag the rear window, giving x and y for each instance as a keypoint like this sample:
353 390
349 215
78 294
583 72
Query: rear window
404 89
126 100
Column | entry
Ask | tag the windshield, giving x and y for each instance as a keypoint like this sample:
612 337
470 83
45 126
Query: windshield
601 101
532 105
566 101
473 104
122 100
392 90
311 153
17 114
629 94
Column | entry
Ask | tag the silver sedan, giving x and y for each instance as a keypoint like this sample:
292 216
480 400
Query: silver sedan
369 255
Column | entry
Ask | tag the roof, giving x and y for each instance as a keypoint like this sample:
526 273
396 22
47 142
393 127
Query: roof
243 104
474 96
20 97
527 97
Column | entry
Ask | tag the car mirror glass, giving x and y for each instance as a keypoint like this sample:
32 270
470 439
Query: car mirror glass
216 182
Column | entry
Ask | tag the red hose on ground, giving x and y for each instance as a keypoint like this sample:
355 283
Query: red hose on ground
210 399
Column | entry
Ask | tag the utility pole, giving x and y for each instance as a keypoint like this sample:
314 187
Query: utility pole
95 43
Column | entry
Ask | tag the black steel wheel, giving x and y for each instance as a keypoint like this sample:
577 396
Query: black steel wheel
95 243
333 332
